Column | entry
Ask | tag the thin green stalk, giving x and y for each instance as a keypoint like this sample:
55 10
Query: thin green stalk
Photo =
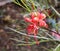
33 4
33 43
19 4
52 14
47 14
40 3
46 3
55 11
25 5
26 34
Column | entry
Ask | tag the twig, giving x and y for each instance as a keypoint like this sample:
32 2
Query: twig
19 40
52 31
26 34
55 11
48 34
56 49
33 43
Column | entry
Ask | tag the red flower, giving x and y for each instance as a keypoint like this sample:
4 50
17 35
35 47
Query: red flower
42 16
27 19
36 21
31 29
37 14
43 24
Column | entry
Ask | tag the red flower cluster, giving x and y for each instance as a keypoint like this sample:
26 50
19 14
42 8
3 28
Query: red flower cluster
36 21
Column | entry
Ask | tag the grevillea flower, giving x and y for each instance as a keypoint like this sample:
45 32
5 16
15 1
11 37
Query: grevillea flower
31 29
37 14
36 20
43 24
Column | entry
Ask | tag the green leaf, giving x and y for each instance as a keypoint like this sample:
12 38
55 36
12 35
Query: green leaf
57 48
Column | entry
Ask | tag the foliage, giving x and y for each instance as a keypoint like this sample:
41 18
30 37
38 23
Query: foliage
44 34
57 48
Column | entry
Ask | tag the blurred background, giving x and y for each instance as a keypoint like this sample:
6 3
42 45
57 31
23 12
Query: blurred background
11 15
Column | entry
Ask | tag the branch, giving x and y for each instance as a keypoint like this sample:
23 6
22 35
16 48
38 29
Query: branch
52 31
26 34
55 11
